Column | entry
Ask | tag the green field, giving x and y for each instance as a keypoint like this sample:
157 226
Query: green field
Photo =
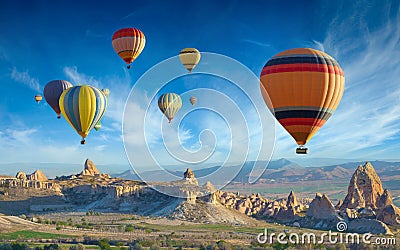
204 228
25 234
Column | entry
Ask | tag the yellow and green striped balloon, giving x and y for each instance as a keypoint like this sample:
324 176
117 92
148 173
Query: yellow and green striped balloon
83 107
170 104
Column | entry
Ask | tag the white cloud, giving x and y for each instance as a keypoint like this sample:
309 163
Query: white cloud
25 78
80 78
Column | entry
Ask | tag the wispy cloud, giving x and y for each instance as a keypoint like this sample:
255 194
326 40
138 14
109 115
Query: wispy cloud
139 11
78 78
25 78
258 43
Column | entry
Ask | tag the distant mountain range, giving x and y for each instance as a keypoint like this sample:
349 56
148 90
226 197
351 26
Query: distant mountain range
281 170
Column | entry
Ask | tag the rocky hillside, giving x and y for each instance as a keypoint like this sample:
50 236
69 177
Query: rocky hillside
92 190
367 207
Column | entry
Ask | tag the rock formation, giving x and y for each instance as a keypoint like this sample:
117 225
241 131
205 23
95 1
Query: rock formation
90 168
389 214
209 186
339 204
365 189
21 175
255 205
38 175
288 212
367 199
321 208
188 174
189 178
368 226
292 200
385 199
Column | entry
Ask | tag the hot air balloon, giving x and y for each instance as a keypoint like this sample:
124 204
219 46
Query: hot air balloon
128 43
189 57
305 87
83 107
193 100
52 92
106 92
170 104
97 127
38 98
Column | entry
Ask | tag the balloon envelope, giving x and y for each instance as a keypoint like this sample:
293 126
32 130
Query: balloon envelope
52 92
128 43
38 98
189 57
83 107
193 100
169 104
305 87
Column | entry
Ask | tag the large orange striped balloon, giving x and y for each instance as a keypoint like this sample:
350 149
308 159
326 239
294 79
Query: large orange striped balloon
128 43
305 87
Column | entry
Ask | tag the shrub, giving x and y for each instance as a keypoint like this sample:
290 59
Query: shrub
104 243
51 247
77 247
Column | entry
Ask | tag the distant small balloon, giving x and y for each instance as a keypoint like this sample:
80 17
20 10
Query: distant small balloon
106 92
97 127
193 100
38 98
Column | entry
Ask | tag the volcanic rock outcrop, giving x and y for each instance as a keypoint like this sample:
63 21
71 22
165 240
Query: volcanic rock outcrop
260 207
90 168
289 212
368 226
21 175
365 189
188 176
367 199
38 175
321 208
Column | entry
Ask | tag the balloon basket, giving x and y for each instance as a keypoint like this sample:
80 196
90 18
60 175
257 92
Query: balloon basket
83 142
302 150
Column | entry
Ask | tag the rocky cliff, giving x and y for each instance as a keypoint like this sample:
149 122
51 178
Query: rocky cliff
365 189
366 198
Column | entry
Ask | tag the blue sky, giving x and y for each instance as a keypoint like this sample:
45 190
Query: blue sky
45 40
